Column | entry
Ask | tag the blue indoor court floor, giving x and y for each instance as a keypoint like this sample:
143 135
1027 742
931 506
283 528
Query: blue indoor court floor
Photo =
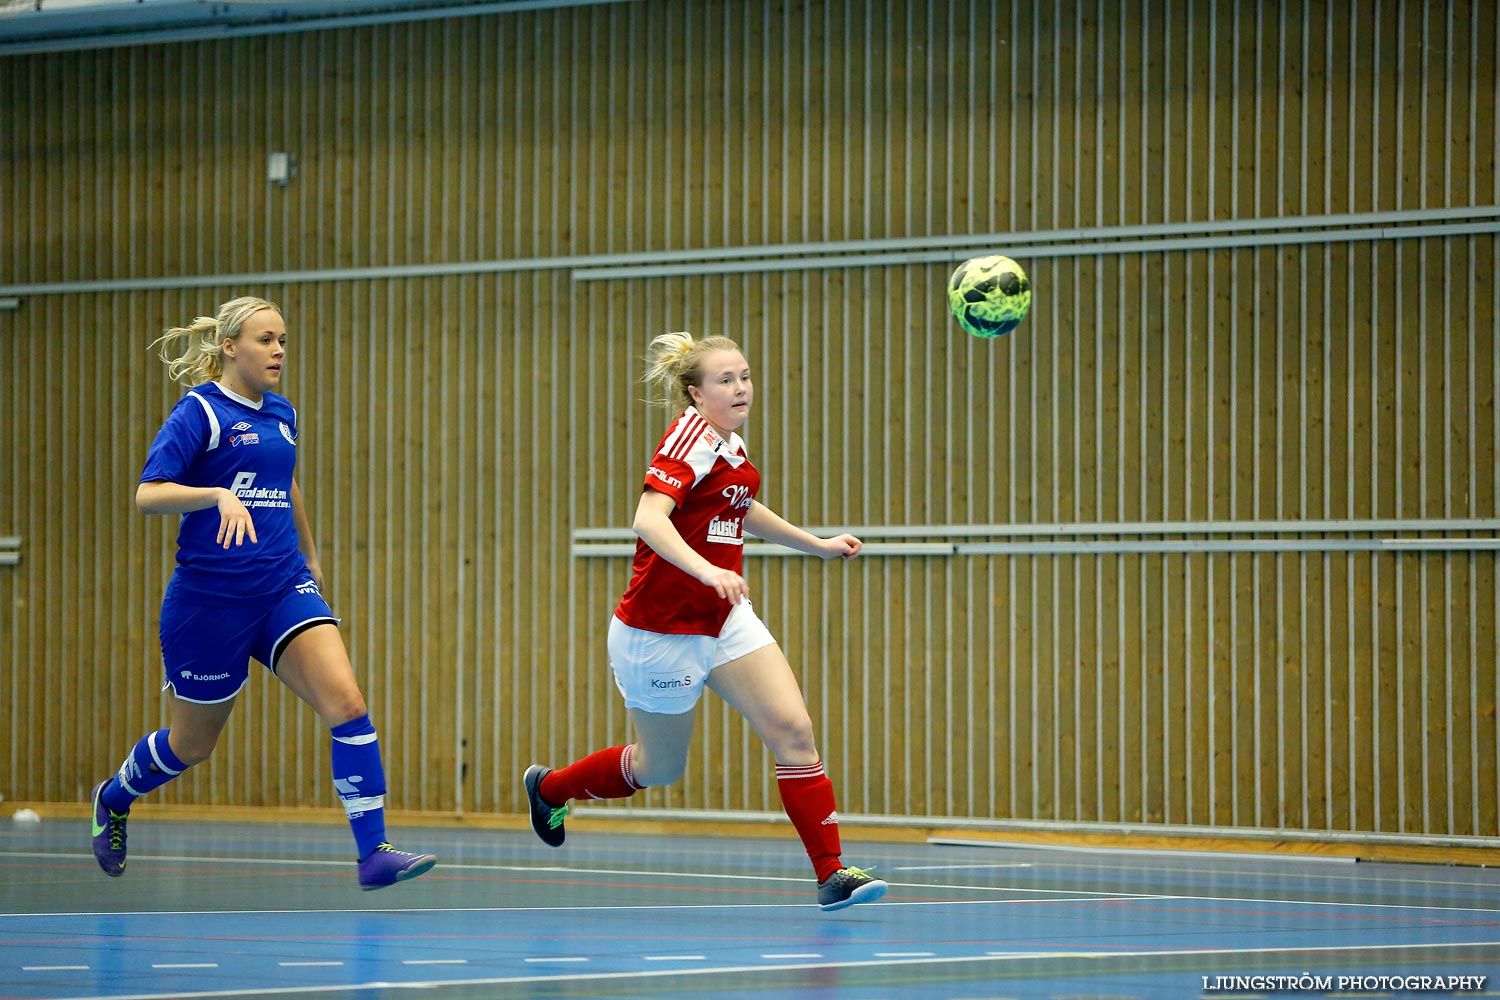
273 910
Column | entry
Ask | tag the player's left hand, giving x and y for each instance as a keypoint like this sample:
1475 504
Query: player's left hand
235 521
316 570
846 546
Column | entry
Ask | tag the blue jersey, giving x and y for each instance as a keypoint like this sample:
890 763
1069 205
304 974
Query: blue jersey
216 438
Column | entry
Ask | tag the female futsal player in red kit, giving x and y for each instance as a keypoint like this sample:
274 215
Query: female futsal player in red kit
686 623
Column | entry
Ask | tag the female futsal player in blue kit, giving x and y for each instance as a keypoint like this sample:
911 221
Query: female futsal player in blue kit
248 583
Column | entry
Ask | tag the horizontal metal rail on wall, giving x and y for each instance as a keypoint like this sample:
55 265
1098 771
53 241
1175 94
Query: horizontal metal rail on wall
953 255
1155 238
10 550
1311 527
601 543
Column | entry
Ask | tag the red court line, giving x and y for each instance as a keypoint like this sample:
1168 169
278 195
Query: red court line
1323 913
654 886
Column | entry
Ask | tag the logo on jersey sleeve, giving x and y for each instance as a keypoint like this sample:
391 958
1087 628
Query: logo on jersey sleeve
286 432
669 480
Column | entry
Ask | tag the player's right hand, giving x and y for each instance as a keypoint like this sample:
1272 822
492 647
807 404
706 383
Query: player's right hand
726 583
234 521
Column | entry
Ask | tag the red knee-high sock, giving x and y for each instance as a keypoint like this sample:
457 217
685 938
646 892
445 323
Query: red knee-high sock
603 774
807 796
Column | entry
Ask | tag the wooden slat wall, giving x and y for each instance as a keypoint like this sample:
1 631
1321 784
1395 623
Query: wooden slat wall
459 428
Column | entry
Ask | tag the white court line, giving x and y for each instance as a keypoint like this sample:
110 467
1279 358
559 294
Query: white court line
885 904
1363 877
434 961
184 965
674 958
568 959
1255 871
792 954
1282 902
173 857
305 965
763 878
1084 893
797 880
54 968
1149 852
1080 894
1076 895
905 954
554 870
1133 956
561 870
955 868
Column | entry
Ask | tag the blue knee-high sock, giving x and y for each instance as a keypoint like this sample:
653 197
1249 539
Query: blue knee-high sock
360 780
148 766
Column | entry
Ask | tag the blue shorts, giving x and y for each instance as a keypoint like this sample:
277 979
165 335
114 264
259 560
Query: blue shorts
206 648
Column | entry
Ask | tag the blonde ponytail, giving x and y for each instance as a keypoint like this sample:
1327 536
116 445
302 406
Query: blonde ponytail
201 342
674 361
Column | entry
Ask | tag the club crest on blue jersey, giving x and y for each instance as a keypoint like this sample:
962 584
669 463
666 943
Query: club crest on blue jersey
286 432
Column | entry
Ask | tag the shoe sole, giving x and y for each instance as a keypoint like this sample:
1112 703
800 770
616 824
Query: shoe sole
420 868
867 893
531 797
94 801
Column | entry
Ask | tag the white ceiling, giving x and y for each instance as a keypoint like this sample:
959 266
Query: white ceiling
59 25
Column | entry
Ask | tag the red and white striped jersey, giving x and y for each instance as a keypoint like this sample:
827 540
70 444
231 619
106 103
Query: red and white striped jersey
714 484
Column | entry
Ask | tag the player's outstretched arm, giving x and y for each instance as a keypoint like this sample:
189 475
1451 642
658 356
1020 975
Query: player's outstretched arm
763 522
161 497
653 525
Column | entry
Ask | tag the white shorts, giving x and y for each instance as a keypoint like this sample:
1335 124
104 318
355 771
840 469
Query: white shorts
665 673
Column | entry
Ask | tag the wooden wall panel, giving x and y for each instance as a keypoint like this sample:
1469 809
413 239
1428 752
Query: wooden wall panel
465 416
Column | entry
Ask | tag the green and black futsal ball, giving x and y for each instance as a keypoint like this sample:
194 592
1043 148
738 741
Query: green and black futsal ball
989 296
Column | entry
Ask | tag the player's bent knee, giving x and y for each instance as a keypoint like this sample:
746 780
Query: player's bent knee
655 779
648 775
791 738
194 750
346 710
